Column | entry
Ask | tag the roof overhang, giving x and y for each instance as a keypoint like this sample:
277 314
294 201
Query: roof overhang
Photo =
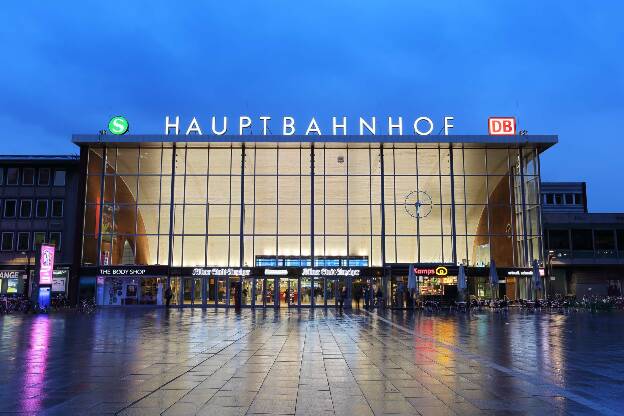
542 142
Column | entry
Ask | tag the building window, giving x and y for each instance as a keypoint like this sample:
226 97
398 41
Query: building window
42 208
1 176
23 241
10 208
59 178
549 199
44 177
7 242
57 208
55 238
558 240
582 240
25 208
28 176
620 239
558 199
605 240
569 199
12 177
38 238
578 199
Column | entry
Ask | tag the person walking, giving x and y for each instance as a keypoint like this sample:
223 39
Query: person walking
367 296
357 296
168 296
343 296
379 298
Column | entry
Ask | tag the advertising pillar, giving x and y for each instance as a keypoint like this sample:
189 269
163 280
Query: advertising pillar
44 274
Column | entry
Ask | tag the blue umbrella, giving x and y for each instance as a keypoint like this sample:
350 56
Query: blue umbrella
537 278
411 278
462 284
493 277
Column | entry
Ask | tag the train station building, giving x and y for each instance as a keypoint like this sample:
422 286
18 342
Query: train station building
293 219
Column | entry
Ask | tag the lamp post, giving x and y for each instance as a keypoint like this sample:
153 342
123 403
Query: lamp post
27 254
551 255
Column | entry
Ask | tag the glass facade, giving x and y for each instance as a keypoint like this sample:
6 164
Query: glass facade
301 204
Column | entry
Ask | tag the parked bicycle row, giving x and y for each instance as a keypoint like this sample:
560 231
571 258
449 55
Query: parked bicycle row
22 304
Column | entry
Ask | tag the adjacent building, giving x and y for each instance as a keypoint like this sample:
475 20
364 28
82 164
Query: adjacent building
584 251
38 204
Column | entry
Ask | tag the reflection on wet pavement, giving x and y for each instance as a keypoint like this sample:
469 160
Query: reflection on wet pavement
191 361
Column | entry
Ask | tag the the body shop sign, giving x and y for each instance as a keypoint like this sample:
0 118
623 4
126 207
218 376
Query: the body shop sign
46 264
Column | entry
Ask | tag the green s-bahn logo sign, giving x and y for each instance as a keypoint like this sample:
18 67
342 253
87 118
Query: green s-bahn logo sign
118 125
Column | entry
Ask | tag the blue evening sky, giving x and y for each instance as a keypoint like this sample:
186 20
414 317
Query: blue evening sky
556 65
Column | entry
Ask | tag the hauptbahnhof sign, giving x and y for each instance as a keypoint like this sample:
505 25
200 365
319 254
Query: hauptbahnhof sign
289 126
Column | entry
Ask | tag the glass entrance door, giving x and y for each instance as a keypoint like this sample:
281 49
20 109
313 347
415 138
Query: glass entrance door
211 291
269 291
222 291
331 290
306 291
357 292
187 291
317 292
247 292
289 292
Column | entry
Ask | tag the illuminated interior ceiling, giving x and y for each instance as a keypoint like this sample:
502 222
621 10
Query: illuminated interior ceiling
197 159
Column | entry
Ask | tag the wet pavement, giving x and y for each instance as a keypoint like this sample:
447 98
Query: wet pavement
146 361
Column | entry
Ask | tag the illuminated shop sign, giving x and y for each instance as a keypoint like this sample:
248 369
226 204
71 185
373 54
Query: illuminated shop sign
523 272
275 272
502 126
289 126
219 271
122 271
46 264
431 271
10 274
331 271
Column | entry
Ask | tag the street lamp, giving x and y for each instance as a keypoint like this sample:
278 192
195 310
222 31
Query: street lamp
551 255
27 254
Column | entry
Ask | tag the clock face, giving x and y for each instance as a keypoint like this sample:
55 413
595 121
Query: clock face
418 204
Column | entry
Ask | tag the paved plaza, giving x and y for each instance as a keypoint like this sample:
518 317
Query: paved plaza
146 361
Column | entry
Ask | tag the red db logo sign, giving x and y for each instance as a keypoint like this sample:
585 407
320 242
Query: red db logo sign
502 126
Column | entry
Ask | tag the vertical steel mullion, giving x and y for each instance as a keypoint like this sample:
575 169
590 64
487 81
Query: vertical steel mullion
277 206
441 201
102 181
538 189
242 210
159 204
419 251
184 212
171 219
136 205
524 213
253 228
229 217
312 231
207 208
453 221
370 207
465 205
383 206
347 195
396 247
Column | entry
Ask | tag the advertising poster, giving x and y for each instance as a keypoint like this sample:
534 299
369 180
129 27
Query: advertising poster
46 262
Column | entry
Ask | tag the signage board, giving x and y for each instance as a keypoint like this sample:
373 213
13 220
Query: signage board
46 264
10 274
58 284
502 126
220 271
289 126
331 271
